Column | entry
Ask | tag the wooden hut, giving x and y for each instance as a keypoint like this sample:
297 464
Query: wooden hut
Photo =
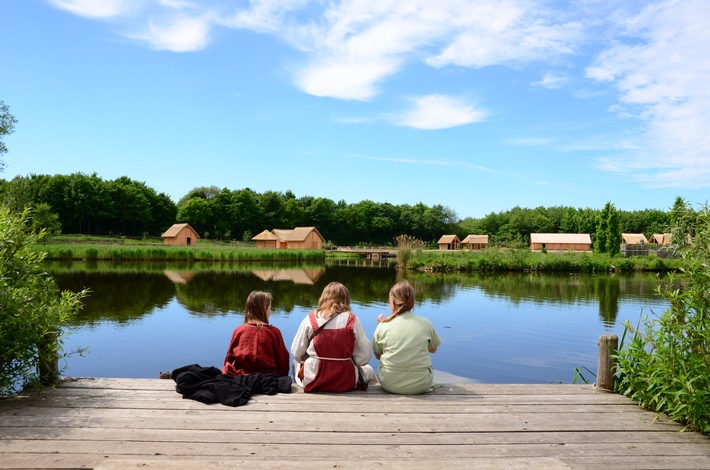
300 238
449 242
560 242
474 242
180 235
660 239
633 239
265 239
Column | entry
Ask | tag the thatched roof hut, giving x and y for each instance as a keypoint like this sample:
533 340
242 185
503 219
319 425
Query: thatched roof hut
180 235
300 238
633 239
660 238
449 242
560 242
474 242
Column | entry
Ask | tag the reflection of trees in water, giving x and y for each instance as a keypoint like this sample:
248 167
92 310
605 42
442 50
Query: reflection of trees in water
127 296
117 297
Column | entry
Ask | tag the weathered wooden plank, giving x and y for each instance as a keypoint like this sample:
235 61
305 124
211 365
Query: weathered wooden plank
361 422
346 437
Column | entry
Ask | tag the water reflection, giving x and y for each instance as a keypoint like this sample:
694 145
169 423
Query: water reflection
514 328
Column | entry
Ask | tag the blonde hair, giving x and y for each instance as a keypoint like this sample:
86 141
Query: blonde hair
255 309
402 297
334 299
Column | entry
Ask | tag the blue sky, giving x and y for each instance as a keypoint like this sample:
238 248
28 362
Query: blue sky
478 105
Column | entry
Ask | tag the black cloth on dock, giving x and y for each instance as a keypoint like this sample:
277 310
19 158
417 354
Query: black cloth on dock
210 385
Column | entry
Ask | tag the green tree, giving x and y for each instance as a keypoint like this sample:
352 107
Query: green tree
44 219
7 127
607 238
34 312
196 212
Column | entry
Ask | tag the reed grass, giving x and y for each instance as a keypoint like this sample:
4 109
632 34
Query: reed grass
498 260
98 248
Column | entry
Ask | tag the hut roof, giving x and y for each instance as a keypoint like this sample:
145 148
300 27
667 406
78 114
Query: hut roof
560 238
661 238
265 235
448 239
175 230
633 238
296 235
475 239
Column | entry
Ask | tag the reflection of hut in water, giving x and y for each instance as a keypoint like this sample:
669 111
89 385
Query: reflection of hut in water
307 276
179 277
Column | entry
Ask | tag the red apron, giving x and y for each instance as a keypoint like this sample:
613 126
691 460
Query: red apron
334 349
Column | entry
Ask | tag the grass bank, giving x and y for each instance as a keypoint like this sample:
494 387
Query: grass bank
496 260
119 249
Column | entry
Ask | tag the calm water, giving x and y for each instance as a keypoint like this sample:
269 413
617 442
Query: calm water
513 328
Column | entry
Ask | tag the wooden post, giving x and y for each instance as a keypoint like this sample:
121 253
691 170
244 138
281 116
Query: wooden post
608 346
48 360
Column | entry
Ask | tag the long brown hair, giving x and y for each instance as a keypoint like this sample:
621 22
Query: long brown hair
402 296
258 303
334 299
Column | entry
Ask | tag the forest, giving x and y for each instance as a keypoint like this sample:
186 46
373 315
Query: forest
89 205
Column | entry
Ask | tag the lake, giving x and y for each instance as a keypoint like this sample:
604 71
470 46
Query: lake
141 318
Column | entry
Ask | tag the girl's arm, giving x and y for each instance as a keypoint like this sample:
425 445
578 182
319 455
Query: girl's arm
362 352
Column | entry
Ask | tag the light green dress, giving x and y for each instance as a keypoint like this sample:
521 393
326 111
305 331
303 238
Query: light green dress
403 344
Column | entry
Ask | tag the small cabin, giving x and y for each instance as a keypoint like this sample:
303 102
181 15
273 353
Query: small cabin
633 239
180 235
265 239
474 242
660 239
581 242
449 242
300 238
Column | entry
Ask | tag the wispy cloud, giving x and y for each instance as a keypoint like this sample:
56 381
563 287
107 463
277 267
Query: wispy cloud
439 112
661 72
93 9
552 81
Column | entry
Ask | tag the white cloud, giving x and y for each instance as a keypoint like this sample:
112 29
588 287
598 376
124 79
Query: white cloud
551 81
661 74
361 42
178 34
440 112
94 8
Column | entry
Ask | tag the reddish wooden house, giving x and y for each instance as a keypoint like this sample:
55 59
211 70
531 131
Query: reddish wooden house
300 238
449 242
180 235
560 242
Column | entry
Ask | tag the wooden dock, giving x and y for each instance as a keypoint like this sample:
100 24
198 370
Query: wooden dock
144 423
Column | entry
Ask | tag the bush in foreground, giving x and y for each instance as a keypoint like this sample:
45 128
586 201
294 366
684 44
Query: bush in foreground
32 310
666 364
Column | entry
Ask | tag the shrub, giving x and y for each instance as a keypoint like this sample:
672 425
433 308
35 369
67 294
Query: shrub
33 311
666 365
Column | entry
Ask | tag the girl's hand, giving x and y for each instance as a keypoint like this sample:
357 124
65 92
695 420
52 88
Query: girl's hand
380 317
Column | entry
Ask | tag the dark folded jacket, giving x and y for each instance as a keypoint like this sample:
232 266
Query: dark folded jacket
210 385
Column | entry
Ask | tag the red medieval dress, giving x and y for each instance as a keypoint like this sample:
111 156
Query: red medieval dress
334 350
256 349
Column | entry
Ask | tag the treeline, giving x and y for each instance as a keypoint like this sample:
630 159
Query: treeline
87 204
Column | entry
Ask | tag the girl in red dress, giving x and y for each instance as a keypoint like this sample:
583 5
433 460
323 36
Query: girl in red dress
256 346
